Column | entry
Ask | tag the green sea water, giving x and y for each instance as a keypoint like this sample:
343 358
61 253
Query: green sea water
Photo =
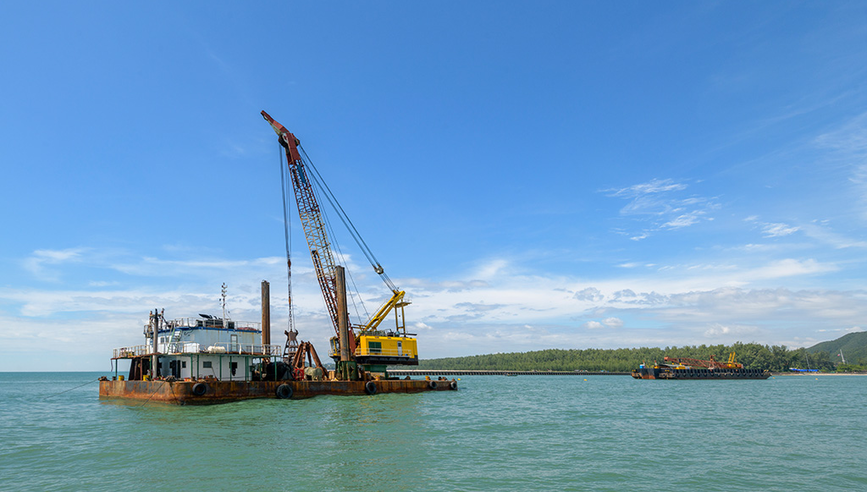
795 433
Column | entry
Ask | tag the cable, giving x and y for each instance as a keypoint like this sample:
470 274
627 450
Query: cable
153 393
348 222
339 251
70 389
284 185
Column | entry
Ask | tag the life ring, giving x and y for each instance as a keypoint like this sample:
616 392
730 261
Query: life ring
432 385
453 385
370 388
200 389
284 392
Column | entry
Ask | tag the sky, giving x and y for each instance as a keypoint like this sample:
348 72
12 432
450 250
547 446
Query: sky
535 175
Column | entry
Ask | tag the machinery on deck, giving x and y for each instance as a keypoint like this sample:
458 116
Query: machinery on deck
365 345
712 363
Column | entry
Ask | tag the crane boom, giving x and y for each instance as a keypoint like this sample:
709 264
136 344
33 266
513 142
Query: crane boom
311 218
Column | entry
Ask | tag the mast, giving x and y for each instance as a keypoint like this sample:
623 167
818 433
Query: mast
266 315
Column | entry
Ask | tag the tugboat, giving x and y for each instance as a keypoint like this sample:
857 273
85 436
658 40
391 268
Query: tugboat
685 368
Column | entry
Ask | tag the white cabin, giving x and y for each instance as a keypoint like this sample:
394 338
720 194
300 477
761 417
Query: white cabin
203 347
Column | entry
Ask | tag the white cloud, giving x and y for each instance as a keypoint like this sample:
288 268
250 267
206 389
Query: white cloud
656 203
717 330
510 309
684 220
651 187
40 259
779 230
825 236
589 294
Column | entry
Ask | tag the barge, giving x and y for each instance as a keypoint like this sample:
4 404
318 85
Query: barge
693 369
211 359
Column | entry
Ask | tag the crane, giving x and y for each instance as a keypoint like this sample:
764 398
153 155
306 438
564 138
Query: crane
367 345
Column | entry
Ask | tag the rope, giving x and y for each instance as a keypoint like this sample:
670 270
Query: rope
152 395
70 389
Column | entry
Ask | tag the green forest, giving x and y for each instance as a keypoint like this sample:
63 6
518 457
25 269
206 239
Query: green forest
776 358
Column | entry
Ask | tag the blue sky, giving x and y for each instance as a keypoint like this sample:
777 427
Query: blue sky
535 175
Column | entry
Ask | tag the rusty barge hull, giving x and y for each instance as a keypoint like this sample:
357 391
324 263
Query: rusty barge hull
213 391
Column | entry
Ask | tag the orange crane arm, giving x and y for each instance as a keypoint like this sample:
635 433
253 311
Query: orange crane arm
311 218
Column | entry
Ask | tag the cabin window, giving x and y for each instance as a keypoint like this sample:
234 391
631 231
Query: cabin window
234 368
184 364
375 347
206 364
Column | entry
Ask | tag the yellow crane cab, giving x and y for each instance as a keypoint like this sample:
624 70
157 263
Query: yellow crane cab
386 348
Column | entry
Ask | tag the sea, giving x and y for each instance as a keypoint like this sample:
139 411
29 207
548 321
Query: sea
590 432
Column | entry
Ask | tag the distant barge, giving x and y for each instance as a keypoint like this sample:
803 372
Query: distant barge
692 369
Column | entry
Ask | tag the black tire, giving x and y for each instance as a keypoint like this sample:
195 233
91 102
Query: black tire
370 388
284 392
199 389
432 385
453 385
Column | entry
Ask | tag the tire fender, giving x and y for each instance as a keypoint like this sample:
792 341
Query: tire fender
284 392
199 389
370 388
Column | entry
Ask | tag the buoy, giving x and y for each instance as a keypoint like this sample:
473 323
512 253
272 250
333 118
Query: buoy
585 380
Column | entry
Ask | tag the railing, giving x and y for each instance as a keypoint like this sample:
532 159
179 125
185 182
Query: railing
197 348
206 323
215 323
272 350
127 352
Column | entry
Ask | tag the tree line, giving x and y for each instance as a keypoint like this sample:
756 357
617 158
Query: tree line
775 358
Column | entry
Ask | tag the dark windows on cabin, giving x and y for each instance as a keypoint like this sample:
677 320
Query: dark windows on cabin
206 364
375 347
234 368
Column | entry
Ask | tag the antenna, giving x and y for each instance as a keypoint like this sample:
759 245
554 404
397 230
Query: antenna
223 303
